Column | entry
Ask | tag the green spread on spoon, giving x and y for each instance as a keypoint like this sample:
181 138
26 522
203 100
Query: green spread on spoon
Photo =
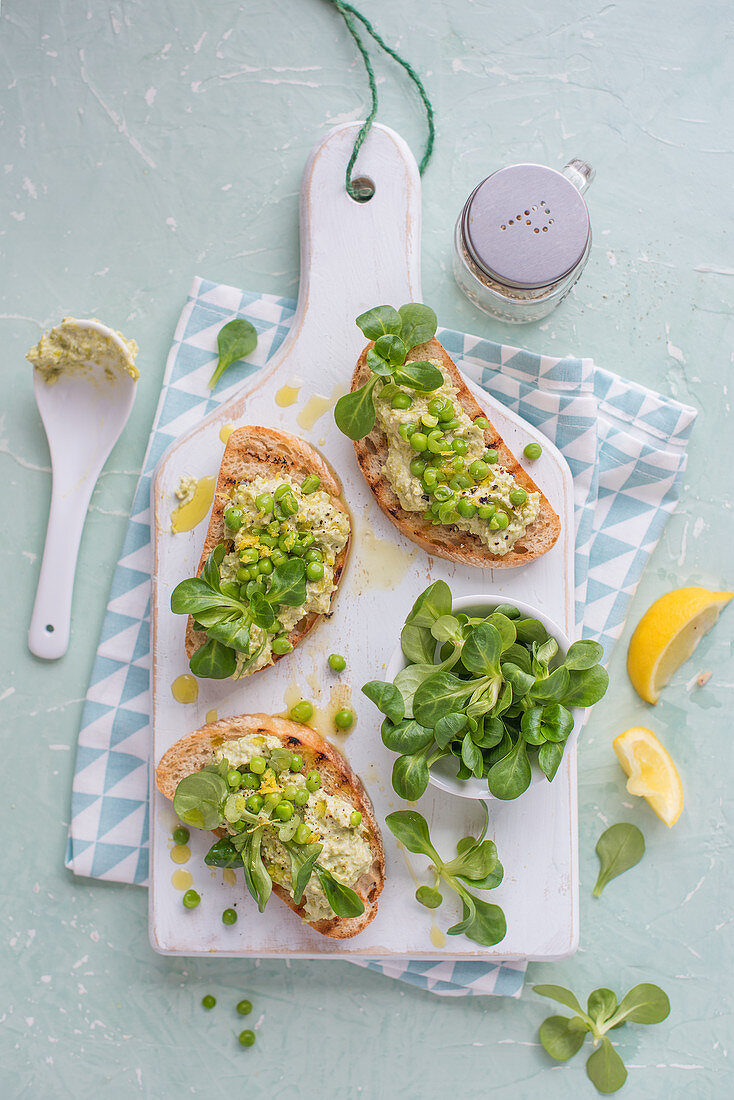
74 347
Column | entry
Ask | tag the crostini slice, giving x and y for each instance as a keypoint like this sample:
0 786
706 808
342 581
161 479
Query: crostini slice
446 540
198 749
255 452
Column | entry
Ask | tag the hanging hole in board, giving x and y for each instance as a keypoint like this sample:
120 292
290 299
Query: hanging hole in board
363 189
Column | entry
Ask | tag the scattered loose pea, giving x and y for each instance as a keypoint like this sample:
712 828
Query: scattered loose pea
208 1001
229 916
302 711
336 662
191 899
233 518
344 719
296 762
533 450
355 819
481 422
181 835
247 1038
244 1008
281 646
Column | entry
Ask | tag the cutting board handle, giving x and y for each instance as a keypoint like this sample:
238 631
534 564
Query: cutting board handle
355 255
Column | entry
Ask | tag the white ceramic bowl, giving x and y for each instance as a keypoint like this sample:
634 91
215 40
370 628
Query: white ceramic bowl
444 772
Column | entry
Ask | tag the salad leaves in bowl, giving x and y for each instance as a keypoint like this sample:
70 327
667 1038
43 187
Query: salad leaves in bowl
482 695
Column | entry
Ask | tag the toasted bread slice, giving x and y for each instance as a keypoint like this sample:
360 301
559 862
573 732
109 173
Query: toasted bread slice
251 452
193 752
448 541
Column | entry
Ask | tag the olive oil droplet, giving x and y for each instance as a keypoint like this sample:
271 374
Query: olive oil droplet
211 716
185 688
180 853
225 432
229 876
182 880
438 938
288 394
189 515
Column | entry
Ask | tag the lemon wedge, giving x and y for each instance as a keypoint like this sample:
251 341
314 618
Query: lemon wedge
667 635
652 773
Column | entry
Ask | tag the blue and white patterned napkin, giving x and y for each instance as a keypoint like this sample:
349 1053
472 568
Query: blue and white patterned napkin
626 447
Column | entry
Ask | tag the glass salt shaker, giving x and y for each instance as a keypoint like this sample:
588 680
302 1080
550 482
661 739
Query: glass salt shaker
523 239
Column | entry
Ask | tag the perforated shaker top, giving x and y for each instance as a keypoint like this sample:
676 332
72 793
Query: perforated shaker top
526 226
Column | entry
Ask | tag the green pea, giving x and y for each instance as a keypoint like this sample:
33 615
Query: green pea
491 456
271 800
446 511
406 430
286 542
437 405
344 719
464 481
247 1038
264 502
301 797
281 491
281 645
429 421
355 819
448 416
254 803
466 509
249 781
443 493
314 555
479 470
458 462
306 540
481 422
336 662
418 441
454 484
244 1008
181 835
289 792
296 762
258 764
302 834
486 511
274 528
233 778
249 555
243 574
450 425
518 497
302 711
436 442
503 520
265 567
229 916
191 899
278 558
289 504
208 1001
533 450
430 479
233 518
269 541
284 810
310 484
401 401
315 570
417 467
313 781
459 446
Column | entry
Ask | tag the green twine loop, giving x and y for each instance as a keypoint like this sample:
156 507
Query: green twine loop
347 12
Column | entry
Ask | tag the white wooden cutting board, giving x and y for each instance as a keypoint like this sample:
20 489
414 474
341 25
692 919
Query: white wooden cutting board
354 256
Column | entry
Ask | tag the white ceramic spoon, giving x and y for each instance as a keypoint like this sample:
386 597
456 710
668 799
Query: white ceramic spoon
83 414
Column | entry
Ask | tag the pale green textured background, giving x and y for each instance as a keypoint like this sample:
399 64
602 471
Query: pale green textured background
145 142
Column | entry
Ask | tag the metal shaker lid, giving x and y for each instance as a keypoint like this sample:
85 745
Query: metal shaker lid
526 226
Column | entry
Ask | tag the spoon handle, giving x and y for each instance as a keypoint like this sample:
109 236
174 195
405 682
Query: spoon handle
48 634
